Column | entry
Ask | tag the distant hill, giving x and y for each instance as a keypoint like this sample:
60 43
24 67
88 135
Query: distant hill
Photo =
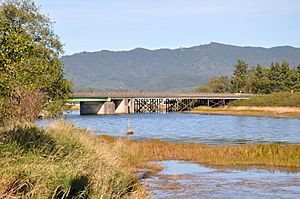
165 69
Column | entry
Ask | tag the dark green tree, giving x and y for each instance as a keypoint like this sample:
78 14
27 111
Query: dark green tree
296 79
280 77
259 82
30 69
240 75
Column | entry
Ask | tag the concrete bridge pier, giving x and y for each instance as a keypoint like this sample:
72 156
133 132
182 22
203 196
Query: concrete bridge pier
115 106
124 106
97 108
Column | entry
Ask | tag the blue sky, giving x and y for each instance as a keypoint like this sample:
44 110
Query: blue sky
93 25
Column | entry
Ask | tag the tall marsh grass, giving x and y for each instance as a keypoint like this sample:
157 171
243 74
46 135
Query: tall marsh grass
284 156
62 162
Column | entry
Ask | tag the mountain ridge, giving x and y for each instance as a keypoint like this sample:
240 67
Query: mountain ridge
166 69
178 48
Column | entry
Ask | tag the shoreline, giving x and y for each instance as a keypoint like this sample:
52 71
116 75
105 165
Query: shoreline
278 156
72 155
293 112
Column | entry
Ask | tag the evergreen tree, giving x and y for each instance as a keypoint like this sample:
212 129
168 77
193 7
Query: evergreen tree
240 75
296 79
260 82
280 77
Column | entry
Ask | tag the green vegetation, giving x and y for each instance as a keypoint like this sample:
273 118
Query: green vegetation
281 99
62 162
65 162
278 77
284 156
31 74
215 85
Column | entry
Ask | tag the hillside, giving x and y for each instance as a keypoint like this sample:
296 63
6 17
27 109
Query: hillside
165 69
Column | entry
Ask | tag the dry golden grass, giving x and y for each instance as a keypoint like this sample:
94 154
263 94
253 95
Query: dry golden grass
251 111
62 162
284 156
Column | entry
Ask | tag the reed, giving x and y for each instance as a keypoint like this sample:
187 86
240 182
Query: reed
283 156
62 162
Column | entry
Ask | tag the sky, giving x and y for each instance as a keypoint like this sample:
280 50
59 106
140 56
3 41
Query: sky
94 25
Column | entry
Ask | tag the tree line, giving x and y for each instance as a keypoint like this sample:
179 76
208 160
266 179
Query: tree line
277 77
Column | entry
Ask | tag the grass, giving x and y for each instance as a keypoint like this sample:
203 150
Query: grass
250 111
281 99
65 162
284 156
62 162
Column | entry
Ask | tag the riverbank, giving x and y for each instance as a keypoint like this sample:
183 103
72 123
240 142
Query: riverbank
281 104
62 162
250 111
274 155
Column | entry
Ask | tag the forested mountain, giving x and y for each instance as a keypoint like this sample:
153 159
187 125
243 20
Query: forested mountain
166 69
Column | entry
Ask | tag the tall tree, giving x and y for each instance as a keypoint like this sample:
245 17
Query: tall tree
259 82
280 77
29 59
239 79
296 79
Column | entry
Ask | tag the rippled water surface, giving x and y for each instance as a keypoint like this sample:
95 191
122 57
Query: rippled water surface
211 129
187 180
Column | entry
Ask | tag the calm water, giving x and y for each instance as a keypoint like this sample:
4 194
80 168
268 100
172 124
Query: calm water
211 129
187 180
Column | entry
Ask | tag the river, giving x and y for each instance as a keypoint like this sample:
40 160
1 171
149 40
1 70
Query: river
189 180
209 129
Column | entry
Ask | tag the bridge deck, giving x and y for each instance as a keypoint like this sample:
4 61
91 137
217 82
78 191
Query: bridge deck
162 95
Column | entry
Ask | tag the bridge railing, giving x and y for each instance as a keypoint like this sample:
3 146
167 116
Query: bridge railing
186 95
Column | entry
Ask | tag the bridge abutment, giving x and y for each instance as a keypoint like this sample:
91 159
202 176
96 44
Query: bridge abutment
96 108
124 106
116 106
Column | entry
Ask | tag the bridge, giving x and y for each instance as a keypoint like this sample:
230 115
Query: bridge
149 102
